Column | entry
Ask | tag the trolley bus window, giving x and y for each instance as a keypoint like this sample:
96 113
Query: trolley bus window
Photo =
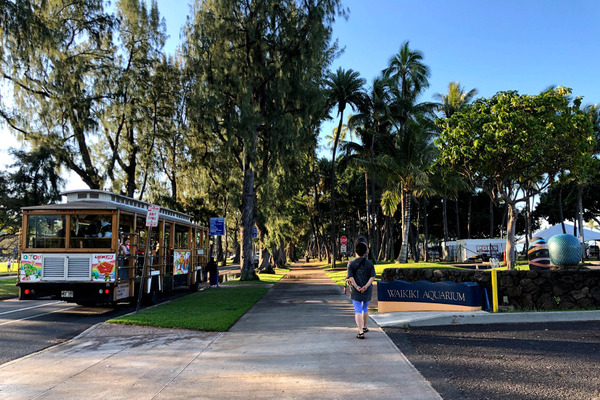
91 231
140 227
125 226
167 249
181 237
46 231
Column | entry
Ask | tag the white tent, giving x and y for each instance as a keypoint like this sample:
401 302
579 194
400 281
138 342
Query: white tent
588 234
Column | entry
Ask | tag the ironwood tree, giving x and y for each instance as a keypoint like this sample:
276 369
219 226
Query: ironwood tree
54 57
257 69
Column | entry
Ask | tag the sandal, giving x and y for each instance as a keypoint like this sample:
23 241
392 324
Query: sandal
360 335
365 329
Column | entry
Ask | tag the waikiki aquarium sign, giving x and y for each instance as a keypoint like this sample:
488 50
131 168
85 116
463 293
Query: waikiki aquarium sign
428 296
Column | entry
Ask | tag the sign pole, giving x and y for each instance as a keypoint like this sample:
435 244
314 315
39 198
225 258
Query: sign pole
151 220
139 301
343 242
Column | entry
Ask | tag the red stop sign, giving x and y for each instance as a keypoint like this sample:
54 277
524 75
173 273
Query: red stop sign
344 240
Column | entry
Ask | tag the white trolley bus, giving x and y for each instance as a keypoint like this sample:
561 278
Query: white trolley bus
92 249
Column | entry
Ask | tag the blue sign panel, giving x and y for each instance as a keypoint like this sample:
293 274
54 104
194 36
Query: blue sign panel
217 226
254 233
463 294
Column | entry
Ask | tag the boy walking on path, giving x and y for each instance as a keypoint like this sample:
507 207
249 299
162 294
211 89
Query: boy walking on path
361 274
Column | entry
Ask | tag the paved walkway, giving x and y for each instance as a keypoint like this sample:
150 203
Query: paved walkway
298 342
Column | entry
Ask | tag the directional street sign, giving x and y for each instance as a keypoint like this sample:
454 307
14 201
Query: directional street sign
217 226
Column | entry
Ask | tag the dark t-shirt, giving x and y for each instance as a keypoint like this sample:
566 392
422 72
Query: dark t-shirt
212 267
361 275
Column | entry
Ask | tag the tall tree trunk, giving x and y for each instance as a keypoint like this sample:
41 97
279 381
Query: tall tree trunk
264 261
379 228
237 257
425 230
415 236
469 216
491 218
513 213
445 218
387 240
333 230
369 236
560 209
317 241
373 207
412 240
504 220
457 218
392 249
219 248
382 249
224 256
319 224
88 172
247 270
406 204
580 218
527 221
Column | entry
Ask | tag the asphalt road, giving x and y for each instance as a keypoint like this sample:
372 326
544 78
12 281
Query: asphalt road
30 326
506 361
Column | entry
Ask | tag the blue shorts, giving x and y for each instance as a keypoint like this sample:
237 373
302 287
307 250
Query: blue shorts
360 306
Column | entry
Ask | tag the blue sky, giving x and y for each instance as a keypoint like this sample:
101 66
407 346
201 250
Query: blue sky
521 45
492 46
488 45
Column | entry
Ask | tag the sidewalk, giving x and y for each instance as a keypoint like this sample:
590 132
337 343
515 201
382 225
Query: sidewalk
298 342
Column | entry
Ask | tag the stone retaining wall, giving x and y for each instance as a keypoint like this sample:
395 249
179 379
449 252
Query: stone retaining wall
543 290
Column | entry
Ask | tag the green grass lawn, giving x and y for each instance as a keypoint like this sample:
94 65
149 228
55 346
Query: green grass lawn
207 310
8 288
264 278
13 268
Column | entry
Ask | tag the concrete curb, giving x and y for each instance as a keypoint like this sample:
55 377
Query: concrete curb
433 318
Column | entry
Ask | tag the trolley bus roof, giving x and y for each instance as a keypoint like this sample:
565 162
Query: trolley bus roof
103 200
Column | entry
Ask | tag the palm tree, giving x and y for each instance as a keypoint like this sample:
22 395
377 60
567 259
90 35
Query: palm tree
456 98
345 87
450 103
347 132
372 125
414 130
408 70
407 172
